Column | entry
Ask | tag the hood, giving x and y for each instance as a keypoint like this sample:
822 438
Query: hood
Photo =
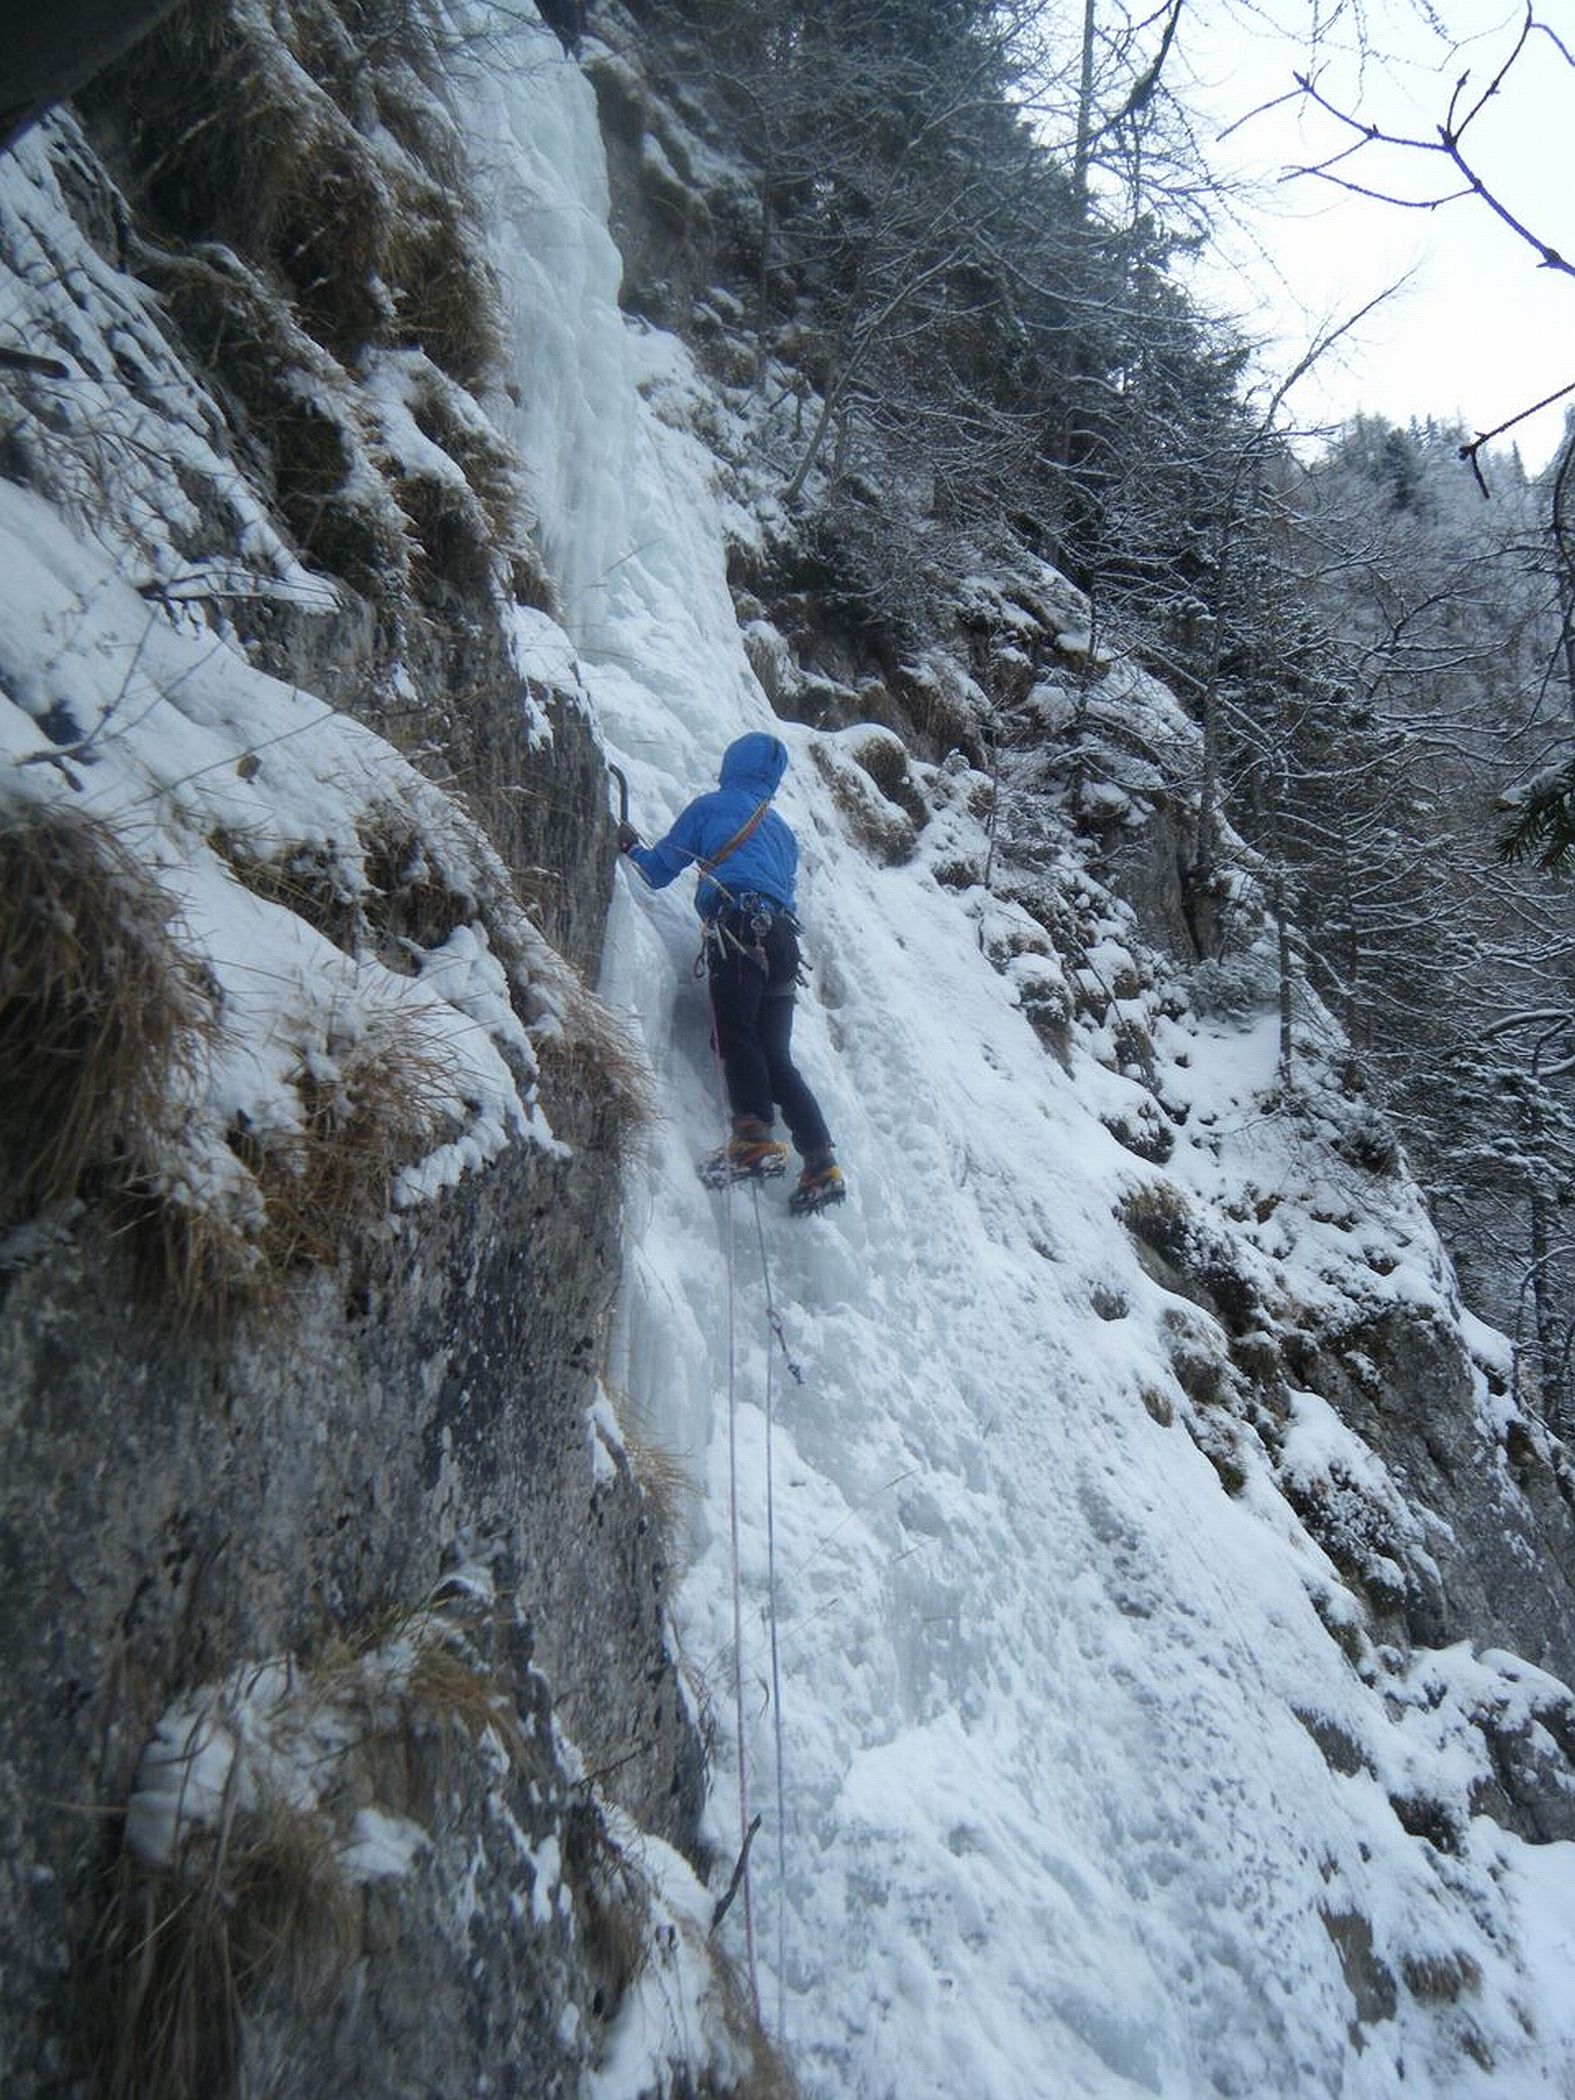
755 762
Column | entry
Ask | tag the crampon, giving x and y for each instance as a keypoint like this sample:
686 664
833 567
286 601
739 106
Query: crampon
743 1159
818 1189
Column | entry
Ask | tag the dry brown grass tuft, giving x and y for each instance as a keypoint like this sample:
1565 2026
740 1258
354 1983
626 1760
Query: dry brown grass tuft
768 2076
181 1955
198 1262
884 830
884 757
447 1684
445 301
379 1106
612 1906
309 880
595 1062
256 1912
469 534
1441 1978
945 718
665 1483
104 1020
383 1104
410 904
661 1475
266 130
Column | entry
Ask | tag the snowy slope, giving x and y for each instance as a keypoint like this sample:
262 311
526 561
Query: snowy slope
1053 1825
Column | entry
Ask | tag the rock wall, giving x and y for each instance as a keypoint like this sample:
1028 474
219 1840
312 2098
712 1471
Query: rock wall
391 1482
175 1502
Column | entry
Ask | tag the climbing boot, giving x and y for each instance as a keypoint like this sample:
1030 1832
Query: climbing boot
819 1187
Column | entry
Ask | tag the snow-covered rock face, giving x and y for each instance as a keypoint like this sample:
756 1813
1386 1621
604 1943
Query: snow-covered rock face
283 1038
1077 1526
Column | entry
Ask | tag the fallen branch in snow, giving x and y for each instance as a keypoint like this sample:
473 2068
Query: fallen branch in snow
26 361
739 1865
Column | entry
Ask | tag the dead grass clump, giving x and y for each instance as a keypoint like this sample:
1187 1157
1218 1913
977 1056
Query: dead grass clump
367 1112
452 555
666 1486
197 1261
958 874
236 1903
460 495
309 881
612 1906
411 907
103 1019
407 1669
240 146
1184 1253
291 400
1158 1405
879 825
264 129
1440 1979
1158 1216
445 300
590 1060
663 1479
1217 1437
944 711
764 2073
380 1105
885 759
1144 1131
446 1683
1201 1375
183 1953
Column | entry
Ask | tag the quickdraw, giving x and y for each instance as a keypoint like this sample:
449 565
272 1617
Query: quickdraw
749 913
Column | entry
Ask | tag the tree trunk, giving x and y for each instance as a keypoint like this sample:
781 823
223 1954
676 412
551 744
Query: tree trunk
1285 959
1083 146
1564 563
1544 1309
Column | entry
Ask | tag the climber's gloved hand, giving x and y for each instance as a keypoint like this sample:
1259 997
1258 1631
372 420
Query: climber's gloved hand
627 837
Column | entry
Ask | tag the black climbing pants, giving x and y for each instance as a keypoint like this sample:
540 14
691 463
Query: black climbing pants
752 958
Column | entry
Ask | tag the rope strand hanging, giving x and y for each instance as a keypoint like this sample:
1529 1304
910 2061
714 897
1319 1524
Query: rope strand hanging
745 1833
771 1622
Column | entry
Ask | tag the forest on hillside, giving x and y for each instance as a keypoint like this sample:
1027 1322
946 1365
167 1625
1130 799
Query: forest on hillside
963 328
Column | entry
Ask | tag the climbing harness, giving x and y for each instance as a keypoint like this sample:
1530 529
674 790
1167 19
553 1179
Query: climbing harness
748 915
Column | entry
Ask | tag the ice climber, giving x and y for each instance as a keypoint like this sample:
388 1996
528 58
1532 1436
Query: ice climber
746 857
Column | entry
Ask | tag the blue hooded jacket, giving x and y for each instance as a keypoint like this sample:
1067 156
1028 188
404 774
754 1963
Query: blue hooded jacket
767 861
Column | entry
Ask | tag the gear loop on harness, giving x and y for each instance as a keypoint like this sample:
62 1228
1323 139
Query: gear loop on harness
743 925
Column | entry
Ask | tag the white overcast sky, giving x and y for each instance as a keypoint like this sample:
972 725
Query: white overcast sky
1483 331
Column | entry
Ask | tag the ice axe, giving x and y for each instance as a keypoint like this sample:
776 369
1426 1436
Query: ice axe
625 828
